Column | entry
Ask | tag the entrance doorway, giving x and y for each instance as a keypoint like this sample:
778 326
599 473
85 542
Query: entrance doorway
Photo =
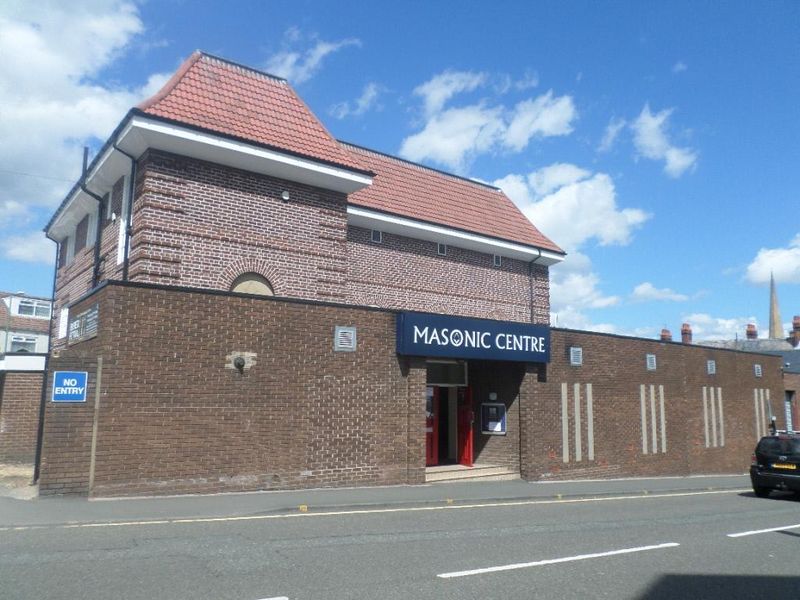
449 426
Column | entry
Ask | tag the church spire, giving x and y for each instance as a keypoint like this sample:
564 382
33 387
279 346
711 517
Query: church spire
775 326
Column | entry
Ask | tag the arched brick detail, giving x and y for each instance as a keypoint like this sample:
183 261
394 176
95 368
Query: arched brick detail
250 265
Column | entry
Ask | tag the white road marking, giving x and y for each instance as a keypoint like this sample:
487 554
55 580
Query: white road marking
276 598
645 495
554 561
757 531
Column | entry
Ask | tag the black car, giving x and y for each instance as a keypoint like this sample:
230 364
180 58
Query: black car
776 464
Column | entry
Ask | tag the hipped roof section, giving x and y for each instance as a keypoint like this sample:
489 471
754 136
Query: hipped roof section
215 95
418 192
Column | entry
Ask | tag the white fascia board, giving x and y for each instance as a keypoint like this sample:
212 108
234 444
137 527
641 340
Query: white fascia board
369 219
108 168
20 362
142 133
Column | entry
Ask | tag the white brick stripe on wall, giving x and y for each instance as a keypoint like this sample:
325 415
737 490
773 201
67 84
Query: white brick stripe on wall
579 396
655 414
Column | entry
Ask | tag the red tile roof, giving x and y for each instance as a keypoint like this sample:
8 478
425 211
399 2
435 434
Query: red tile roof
220 96
217 95
417 192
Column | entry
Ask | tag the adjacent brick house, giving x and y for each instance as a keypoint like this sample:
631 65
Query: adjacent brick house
260 306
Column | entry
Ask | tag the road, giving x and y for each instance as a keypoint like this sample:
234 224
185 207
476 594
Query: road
653 546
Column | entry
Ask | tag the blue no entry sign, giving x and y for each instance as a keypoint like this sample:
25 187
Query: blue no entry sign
69 386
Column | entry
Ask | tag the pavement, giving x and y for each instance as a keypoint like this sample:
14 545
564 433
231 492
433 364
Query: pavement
19 505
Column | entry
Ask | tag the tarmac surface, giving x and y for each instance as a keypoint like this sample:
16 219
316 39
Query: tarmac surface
19 505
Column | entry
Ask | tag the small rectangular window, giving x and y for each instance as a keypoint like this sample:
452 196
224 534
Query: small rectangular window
62 252
81 233
711 367
441 249
576 356
377 236
498 260
651 362
757 370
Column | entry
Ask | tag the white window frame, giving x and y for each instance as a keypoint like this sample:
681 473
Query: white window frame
378 239
37 303
123 222
576 356
497 260
441 249
63 323
23 339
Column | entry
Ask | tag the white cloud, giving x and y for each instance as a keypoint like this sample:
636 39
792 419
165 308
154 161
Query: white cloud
679 67
707 327
784 263
300 66
438 90
574 207
365 102
545 116
528 81
651 141
548 179
453 136
32 247
613 129
584 210
646 291
50 106
51 103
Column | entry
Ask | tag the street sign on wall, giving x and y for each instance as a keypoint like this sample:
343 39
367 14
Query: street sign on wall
70 386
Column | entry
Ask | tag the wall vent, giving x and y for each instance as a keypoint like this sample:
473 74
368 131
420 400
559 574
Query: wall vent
576 356
711 367
651 362
377 236
344 339
498 260
757 370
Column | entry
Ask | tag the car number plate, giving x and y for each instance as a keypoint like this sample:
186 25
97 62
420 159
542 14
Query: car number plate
784 466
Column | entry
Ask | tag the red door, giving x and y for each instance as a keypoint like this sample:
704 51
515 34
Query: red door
465 419
432 427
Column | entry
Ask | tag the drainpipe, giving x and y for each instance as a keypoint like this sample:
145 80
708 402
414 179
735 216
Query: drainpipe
530 281
128 211
43 400
99 230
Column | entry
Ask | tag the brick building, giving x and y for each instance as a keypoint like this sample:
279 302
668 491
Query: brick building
257 305
23 347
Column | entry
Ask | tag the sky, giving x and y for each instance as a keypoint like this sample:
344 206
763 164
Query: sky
658 143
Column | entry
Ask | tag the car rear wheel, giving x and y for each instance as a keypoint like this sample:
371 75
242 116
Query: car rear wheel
761 492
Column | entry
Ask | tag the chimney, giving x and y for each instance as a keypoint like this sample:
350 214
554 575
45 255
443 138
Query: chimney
686 333
795 338
751 332
666 336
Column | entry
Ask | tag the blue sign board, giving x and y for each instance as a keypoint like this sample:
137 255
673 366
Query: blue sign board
69 386
421 334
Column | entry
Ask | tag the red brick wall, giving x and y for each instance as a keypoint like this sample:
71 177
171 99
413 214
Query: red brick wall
615 367
20 395
174 418
197 224
408 274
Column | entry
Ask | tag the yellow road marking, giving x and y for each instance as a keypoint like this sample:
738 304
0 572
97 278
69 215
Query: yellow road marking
366 511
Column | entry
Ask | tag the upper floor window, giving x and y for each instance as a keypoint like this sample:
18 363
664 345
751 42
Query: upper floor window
81 234
441 249
28 307
377 236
